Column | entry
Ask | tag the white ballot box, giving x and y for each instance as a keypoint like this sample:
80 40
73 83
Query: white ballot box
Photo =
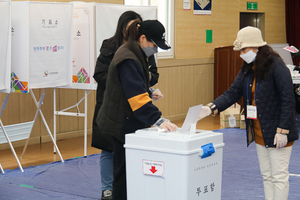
173 165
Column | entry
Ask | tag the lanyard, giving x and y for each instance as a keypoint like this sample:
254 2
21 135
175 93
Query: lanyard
248 100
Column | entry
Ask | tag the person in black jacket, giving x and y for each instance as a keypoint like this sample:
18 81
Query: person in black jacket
127 105
266 85
100 140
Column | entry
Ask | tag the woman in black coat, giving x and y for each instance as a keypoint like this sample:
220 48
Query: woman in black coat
265 83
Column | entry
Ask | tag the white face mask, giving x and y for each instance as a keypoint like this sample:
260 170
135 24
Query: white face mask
248 57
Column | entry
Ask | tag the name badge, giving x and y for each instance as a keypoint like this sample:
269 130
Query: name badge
251 112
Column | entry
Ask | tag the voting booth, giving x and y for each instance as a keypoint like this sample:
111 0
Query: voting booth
41 54
41 45
93 23
5 43
186 164
5 55
84 46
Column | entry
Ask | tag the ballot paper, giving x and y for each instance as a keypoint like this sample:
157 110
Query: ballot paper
189 124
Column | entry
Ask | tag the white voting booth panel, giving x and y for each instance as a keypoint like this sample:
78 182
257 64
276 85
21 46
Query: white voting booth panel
5 44
163 166
287 58
107 16
84 46
41 55
285 55
93 23
41 45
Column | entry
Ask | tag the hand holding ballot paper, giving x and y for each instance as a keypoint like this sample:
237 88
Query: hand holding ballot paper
205 112
194 114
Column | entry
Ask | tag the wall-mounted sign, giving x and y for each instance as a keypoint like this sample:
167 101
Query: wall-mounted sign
202 7
251 5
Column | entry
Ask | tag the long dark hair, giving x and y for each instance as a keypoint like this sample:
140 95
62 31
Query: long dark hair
263 62
117 40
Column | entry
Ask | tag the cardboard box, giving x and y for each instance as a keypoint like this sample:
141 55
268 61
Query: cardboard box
230 118
242 120
164 166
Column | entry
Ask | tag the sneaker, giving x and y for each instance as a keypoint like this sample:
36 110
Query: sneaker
106 194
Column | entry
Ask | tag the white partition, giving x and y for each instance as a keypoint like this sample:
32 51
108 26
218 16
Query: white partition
41 45
285 55
107 16
94 22
5 44
84 50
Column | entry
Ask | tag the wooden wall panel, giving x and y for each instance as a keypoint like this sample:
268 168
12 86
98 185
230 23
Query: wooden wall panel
222 70
183 87
190 29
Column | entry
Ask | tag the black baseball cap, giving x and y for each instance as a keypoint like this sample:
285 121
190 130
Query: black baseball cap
155 32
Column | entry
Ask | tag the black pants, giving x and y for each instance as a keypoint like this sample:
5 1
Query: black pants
131 124
119 183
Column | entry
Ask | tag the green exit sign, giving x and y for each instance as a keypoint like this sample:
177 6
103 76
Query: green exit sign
251 5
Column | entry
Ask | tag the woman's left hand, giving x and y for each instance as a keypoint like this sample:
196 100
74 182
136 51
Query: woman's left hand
280 140
156 95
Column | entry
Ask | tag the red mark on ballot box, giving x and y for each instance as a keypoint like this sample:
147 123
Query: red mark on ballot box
153 170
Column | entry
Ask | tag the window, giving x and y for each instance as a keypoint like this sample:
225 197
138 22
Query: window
165 10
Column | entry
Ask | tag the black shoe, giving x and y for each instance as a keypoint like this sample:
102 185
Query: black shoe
106 194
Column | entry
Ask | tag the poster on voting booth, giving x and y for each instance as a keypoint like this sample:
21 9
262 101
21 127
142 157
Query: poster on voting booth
50 47
84 52
41 45
107 16
5 39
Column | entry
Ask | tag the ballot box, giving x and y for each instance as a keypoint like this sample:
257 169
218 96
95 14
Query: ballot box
173 165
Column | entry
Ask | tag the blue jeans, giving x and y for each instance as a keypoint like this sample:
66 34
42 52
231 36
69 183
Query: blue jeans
106 170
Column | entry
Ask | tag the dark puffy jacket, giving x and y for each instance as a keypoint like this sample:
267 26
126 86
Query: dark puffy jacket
275 102
107 52
113 115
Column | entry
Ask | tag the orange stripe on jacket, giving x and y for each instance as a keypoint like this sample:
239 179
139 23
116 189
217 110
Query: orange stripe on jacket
138 101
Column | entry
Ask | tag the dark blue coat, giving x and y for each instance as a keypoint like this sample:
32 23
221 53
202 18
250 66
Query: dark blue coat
275 102
107 52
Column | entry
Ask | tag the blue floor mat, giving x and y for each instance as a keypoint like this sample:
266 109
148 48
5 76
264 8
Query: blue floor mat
73 179
241 175
80 178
